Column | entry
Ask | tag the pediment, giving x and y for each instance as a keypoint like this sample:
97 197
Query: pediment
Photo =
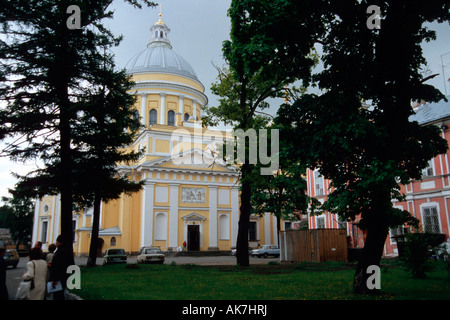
193 217
114 231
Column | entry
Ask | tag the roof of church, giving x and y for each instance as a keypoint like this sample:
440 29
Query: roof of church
159 57
429 112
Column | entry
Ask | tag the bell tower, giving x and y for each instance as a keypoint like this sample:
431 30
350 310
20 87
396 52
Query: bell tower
160 33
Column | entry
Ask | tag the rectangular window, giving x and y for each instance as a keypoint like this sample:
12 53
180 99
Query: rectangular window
342 224
318 181
396 231
320 222
44 231
428 171
431 220
252 231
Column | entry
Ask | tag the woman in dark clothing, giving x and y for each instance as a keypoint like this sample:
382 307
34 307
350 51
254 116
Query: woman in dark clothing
3 288
58 270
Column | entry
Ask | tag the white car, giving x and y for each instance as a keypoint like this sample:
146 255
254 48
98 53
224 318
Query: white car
233 251
266 250
443 251
150 255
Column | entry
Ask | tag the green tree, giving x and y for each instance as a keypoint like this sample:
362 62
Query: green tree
108 126
17 216
102 132
46 72
284 192
258 69
366 151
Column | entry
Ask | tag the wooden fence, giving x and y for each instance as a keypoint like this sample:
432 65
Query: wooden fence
314 245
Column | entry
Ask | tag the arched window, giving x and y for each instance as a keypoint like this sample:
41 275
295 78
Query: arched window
161 226
186 116
161 34
112 243
224 227
153 117
171 118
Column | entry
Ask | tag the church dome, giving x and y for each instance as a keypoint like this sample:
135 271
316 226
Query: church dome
159 56
160 59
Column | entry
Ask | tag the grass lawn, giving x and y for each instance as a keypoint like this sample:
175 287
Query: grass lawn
306 281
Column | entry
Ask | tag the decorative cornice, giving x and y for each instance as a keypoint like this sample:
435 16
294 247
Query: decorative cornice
165 85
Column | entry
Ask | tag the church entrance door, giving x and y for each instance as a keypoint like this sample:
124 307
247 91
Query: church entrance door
193 241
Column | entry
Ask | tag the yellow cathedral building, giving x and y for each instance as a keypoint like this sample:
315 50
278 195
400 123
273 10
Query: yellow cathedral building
189 196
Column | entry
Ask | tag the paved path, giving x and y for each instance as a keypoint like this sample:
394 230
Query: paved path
14 276
211 260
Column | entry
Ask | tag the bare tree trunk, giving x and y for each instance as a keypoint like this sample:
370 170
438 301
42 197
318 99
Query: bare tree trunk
66 173
93 248
377 231
244 219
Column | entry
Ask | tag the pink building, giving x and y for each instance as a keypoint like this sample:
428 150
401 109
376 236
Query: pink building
427 199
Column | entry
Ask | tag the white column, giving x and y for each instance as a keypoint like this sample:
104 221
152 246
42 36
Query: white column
179 114
162 116
267 236
83 219
180 106
213 218
56 219
144 109
194 106
147 215
173 216
100 217
36 221
275 231
234 214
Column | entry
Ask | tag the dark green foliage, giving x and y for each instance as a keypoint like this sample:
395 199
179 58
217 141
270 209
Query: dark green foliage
366 151
282 193
56 83
264 37
17 216
419 248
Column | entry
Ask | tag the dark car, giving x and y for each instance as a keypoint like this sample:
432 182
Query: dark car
114 256
11 258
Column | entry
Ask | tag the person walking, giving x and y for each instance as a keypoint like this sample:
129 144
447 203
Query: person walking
3 288
37 272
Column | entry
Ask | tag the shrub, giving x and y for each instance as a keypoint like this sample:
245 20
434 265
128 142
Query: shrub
419 247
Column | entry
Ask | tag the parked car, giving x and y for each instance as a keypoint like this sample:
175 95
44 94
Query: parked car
233 251
150 255
114 256
11 258
265 251
443 251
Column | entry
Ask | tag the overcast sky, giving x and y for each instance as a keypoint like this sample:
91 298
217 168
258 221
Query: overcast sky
198 28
